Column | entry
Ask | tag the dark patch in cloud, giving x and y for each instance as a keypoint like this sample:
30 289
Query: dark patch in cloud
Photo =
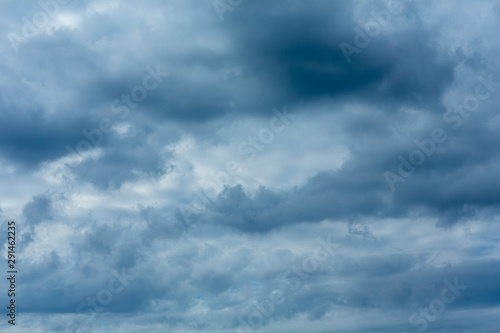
31 137
127 158
39 209
160 224
100 239
300 59
42 269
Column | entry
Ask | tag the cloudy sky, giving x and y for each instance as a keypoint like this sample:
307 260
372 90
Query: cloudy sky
251 166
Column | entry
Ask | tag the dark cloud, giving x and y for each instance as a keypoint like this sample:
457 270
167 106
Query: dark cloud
115 208
39 209
29 137
300 59
128 157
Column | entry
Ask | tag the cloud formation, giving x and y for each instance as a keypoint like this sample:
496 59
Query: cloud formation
178 166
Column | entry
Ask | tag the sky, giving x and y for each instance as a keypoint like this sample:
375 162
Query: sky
251 166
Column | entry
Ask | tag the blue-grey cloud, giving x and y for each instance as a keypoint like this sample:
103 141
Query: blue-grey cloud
118 121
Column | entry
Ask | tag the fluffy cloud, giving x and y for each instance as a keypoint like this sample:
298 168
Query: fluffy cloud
153 189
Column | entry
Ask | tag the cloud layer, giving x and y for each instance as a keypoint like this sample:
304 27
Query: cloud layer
241 166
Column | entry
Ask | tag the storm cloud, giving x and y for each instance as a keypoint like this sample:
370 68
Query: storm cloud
244 166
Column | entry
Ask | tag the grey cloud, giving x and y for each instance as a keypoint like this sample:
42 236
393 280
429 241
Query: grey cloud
204 273
39 209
